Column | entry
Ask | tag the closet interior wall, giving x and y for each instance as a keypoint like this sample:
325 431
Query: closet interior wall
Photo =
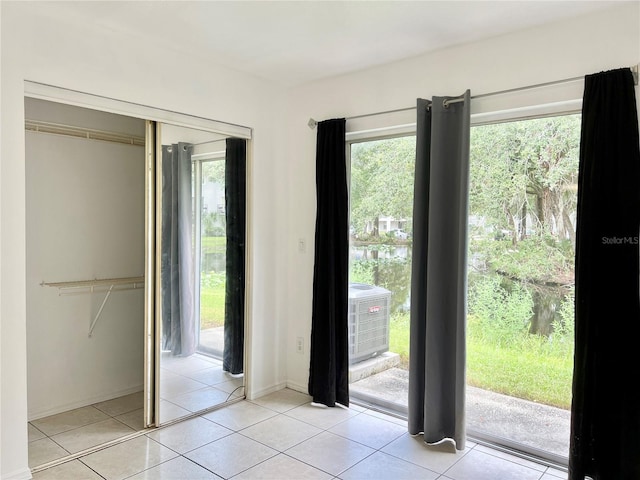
85 201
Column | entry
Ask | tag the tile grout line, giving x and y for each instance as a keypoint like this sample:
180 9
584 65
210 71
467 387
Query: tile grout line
284 452
97 448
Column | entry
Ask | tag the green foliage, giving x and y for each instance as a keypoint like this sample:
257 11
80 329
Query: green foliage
213 171
526 171
381 180
214 224
497 315
390 273
361 271
504 357
399 337
563 337
538 259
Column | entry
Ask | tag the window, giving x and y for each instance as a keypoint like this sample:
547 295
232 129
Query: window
523 196
381 205
522 212
210 251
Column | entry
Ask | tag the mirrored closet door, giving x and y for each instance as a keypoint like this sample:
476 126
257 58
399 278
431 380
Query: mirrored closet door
200 270
135 269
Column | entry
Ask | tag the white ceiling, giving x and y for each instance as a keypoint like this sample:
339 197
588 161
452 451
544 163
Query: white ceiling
297 42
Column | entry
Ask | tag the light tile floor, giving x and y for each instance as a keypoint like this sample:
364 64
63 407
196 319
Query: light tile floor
187 385
282 436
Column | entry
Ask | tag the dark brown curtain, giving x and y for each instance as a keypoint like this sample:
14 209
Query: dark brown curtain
605 413
329 366
235 173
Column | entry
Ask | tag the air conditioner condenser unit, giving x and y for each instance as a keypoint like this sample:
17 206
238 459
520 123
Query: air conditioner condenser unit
369 315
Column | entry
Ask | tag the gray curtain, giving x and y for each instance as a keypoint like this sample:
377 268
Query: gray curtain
437 353
178 323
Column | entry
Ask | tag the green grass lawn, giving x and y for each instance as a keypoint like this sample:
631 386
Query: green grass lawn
212 293
520 373
214 244
527 370
212 287
399 337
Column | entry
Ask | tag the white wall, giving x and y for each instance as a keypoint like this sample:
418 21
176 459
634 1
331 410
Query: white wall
91 59
85 220
282 185
606 40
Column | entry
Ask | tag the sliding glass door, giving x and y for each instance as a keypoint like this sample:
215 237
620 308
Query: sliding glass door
523 196
210 250
381 225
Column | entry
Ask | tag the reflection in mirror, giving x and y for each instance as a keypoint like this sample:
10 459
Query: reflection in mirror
201 261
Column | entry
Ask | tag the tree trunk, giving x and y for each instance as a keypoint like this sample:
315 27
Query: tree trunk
523 222
568 227
514 230
376 268
545 304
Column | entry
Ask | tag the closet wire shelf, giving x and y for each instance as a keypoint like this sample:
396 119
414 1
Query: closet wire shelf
109 285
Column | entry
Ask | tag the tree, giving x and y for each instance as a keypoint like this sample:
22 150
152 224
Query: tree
524 172
553 157
213 171
382 174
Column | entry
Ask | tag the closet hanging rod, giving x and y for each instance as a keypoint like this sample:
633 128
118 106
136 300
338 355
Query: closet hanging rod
96 285
81 132
634 70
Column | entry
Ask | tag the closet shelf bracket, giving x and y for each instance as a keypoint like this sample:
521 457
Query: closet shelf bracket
95 286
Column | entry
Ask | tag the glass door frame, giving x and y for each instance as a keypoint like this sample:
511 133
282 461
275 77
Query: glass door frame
569 107
197 204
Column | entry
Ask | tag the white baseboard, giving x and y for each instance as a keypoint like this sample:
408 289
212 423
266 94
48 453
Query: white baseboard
298 387
23 474
267 390
36 414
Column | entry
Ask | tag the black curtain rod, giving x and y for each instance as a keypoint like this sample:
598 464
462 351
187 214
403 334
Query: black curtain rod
634 69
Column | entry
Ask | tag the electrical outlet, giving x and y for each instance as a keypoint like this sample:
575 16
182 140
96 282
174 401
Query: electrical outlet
299 345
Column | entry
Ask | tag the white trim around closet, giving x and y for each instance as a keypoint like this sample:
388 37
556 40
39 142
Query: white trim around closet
97 102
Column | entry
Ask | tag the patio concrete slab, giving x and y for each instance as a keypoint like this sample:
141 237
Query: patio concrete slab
532 424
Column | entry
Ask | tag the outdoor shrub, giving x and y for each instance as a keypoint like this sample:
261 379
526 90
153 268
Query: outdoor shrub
501 315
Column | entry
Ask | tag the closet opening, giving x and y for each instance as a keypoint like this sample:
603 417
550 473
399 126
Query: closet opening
85 239
103 357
